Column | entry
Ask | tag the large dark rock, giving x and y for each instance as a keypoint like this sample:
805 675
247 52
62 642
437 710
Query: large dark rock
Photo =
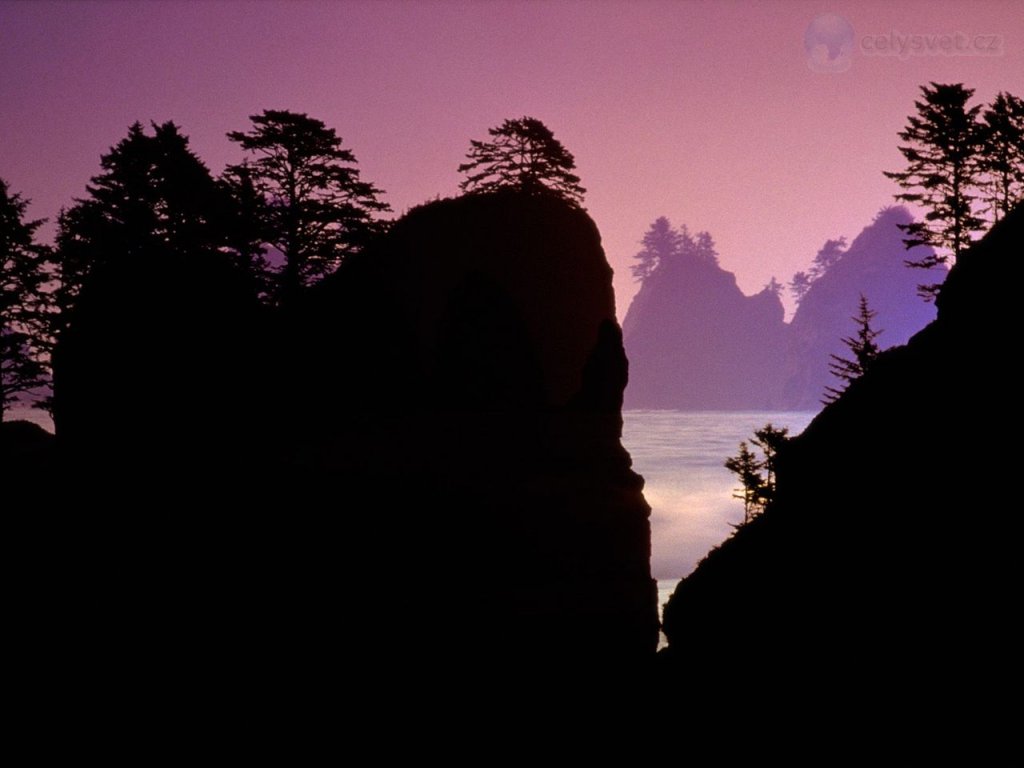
888 561
472 369
24 447
158 373
419 468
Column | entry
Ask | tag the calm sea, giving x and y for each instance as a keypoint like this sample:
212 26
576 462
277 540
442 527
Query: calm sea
681 455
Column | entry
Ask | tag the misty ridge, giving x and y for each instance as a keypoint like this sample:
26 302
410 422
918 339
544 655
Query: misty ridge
696 342
466 376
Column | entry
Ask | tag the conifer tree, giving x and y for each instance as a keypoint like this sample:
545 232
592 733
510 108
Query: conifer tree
522 154
747 467
864 349
942 144
1002 158
23 273
661 243
315 209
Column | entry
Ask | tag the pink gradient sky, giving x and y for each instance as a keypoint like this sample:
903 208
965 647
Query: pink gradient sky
705 112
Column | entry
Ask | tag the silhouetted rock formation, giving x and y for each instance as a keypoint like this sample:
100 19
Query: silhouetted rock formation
24 446
159 368
696 342
420 466
885 563
472 365
873 265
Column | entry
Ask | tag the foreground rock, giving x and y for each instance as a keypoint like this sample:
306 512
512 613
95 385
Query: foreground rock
886 563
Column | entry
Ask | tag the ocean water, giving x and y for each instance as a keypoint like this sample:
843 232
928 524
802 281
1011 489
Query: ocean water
680 455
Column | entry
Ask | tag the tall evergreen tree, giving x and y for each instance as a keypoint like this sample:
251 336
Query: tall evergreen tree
702 246
864 347
23 273
1002 158
153 200
942 143
661 243
315 209
522 154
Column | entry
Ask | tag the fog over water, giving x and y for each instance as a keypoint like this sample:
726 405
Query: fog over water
680 455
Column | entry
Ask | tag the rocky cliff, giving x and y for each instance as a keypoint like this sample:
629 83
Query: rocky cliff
696 342
873 265
885 562
420 467
472 365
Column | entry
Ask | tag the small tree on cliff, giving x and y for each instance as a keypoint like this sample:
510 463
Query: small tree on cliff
22 275
747 467
864 348
757 490
770 440
522 154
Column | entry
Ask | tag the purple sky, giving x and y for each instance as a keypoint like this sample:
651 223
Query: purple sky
706 112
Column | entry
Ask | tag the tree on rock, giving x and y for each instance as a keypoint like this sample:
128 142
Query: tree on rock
942 146
701 246
1002 160
864 348
155 200
747 467
23 267
757 490
660 244
770 440
827 257
522 154
316 210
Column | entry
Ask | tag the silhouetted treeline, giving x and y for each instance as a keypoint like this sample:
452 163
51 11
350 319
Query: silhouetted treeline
284 217
965 167
396 442
23 319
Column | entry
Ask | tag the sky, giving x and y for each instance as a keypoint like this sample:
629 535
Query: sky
767 124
